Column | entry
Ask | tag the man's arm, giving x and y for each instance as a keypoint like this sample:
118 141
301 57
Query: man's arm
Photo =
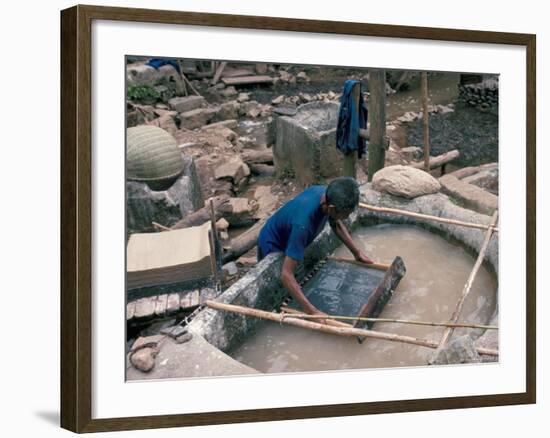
343 234
290 283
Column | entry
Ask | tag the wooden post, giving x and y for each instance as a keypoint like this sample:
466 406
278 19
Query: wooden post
425 119
351 158
333 329
213 245
377 117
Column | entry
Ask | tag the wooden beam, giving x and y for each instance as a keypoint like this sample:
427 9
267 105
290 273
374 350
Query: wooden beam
382 292
244 80
350 159
426 217
438 161
219 71
377 123
379 266
425 119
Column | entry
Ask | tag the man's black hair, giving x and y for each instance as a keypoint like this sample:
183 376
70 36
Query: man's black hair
343 193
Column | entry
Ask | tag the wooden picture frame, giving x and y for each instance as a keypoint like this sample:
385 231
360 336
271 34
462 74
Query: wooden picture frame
76 217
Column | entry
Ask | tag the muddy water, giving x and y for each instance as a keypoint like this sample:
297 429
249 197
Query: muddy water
436 273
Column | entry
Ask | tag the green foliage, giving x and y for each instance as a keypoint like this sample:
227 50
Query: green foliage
142 93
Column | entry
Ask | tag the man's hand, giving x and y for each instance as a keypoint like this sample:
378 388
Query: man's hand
361 257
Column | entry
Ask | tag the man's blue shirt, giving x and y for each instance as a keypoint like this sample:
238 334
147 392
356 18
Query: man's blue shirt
294 226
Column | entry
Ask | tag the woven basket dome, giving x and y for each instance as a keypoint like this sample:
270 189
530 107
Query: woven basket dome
152 156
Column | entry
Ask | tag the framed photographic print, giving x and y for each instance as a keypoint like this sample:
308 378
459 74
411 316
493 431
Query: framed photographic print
268 218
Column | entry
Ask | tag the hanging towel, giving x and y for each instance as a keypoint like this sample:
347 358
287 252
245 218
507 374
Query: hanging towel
350 120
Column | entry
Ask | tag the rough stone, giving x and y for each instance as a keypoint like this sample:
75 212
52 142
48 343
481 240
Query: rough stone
197 118
411 153
278 100
230 269
267 202
302 77
166 122
235 170
228 110
222 224
142 74
470 195
147 341
186 337
285 76
457 351
145 206
304 143
174 331
239 211
405 181
485 179
144 359
187 103
229 91
243 97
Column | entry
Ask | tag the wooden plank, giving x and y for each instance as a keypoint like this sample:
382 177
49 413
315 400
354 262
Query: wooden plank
382 293
219 71
236 72
377 123
243 80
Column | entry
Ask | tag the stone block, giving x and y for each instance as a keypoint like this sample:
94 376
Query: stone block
187 103
405 181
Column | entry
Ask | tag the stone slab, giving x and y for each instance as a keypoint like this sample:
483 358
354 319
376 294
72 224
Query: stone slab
471 196
195 358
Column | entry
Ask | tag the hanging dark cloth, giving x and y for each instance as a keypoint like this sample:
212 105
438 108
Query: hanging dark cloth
156 63
350 120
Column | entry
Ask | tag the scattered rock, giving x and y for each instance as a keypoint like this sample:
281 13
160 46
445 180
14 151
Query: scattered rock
411 153
146 341
267 202
144 359
285 76
197 118
228 110
230 269
243 97
229 91
166 122
405 181
186 337
239 211
142 74
458 351
302 77
222 224
174 331
247 261
236 170
278 100
187 103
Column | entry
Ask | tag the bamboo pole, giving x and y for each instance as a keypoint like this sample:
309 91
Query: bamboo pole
326 328
427 217
467 287
425 119
298 314
160 227
379 266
